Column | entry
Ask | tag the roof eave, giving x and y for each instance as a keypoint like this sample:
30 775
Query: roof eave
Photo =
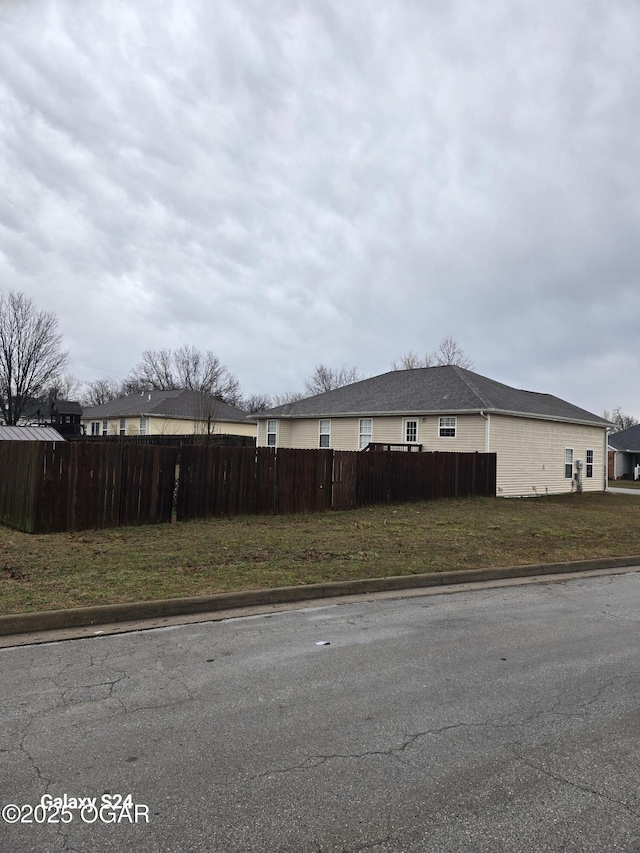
433 412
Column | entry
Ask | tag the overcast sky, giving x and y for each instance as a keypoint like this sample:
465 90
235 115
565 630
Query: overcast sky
290 182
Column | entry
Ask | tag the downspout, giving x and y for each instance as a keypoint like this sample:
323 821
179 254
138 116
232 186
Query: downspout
487 432
606 460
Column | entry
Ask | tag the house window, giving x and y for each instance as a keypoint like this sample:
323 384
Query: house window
447 427
123 426
366 432
95 427
105 427
568 463
272 433
589 472
411 431
325 433
144 426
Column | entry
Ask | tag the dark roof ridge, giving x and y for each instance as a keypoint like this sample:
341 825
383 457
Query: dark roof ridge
462 372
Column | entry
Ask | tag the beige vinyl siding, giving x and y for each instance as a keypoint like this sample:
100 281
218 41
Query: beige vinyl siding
345 432
531 453
469 438
175 426
283 434
306 433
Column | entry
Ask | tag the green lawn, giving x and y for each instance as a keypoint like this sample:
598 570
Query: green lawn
220 555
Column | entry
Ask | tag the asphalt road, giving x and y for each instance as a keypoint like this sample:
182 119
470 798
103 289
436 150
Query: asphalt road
493 720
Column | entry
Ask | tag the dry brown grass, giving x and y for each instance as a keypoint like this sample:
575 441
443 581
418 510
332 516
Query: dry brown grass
220 555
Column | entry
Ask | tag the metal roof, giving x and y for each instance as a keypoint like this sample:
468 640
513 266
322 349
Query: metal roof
29 433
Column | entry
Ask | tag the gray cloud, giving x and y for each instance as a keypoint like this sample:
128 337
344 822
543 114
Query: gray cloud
329 182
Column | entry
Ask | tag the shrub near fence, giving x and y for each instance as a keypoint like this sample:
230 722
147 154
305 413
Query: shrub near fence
47 487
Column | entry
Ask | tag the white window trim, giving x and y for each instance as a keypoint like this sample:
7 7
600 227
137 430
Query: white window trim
453 426
95 427
362 433
273 432
326 432
568 463
588 465
144 428
405 426
122 428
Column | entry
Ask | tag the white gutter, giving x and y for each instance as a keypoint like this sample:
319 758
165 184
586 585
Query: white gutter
421 413
606 460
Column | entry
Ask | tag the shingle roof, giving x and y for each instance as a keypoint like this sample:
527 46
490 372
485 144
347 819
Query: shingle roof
60 407
181 403
432 390
29 433
626 439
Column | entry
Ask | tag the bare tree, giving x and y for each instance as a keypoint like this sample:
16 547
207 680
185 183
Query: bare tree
186 367
411 361
65 387
31 355
326 378
256 403
102 391
205 414
620 420
155 372
449 351
286 397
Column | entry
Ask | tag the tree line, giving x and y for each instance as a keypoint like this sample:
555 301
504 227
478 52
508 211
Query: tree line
33 364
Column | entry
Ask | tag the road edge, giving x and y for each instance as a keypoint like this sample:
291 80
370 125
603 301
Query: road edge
52 620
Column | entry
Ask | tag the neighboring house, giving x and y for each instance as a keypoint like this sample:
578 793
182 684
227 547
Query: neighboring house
543 445
624 454
63 415
178 412
29 433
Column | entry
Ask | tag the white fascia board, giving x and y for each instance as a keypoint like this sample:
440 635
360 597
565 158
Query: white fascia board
437 413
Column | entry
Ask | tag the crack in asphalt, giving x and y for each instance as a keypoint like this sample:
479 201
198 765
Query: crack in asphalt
587 789
171 681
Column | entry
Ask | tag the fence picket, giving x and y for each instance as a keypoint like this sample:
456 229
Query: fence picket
48 487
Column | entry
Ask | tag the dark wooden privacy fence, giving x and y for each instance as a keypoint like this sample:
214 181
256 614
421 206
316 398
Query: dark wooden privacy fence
243 481
238 481
398 477
215 439
47 487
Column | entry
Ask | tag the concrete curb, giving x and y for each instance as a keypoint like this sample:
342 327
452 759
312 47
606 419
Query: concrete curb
21 623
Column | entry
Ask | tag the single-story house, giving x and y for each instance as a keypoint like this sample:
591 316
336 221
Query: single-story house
543 445
180 412
624 454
